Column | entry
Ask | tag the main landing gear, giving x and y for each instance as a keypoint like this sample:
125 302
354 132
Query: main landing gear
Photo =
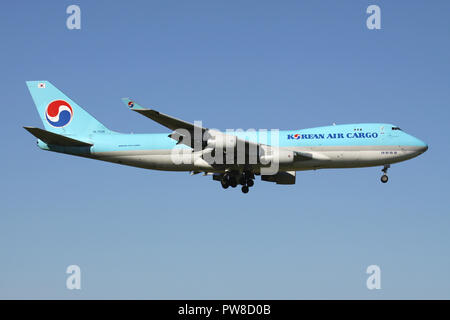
384 177
231 179
228 180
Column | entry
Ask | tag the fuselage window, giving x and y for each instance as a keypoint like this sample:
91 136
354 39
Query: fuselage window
388 152
396 128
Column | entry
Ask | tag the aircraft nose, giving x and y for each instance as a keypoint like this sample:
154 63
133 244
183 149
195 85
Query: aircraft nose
422 146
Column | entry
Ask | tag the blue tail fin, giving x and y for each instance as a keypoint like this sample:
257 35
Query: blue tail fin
59 113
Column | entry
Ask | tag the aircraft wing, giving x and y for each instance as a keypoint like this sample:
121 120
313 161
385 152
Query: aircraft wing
163 119
207 136
179 127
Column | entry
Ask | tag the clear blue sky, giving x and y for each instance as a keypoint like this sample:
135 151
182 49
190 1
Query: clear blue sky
232 64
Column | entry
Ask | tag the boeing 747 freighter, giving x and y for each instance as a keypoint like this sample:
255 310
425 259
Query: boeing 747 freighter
232 157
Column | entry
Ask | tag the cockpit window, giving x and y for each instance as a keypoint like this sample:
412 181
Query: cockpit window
396 128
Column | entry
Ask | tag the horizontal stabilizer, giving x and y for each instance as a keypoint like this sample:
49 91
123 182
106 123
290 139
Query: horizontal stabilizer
51 138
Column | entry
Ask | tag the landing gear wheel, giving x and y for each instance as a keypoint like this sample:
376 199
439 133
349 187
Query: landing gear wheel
244 189
250 182
384 177
233 182
224 184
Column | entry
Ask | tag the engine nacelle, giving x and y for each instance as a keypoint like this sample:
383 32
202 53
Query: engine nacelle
283 177
222 141
281 155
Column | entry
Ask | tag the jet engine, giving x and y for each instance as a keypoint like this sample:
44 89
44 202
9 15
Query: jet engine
281 155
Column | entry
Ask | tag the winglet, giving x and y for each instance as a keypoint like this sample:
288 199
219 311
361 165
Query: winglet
132 104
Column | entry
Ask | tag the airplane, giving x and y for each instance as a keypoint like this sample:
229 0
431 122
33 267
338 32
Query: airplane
232 158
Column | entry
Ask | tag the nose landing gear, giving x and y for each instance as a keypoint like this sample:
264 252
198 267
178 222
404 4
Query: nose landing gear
384 177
